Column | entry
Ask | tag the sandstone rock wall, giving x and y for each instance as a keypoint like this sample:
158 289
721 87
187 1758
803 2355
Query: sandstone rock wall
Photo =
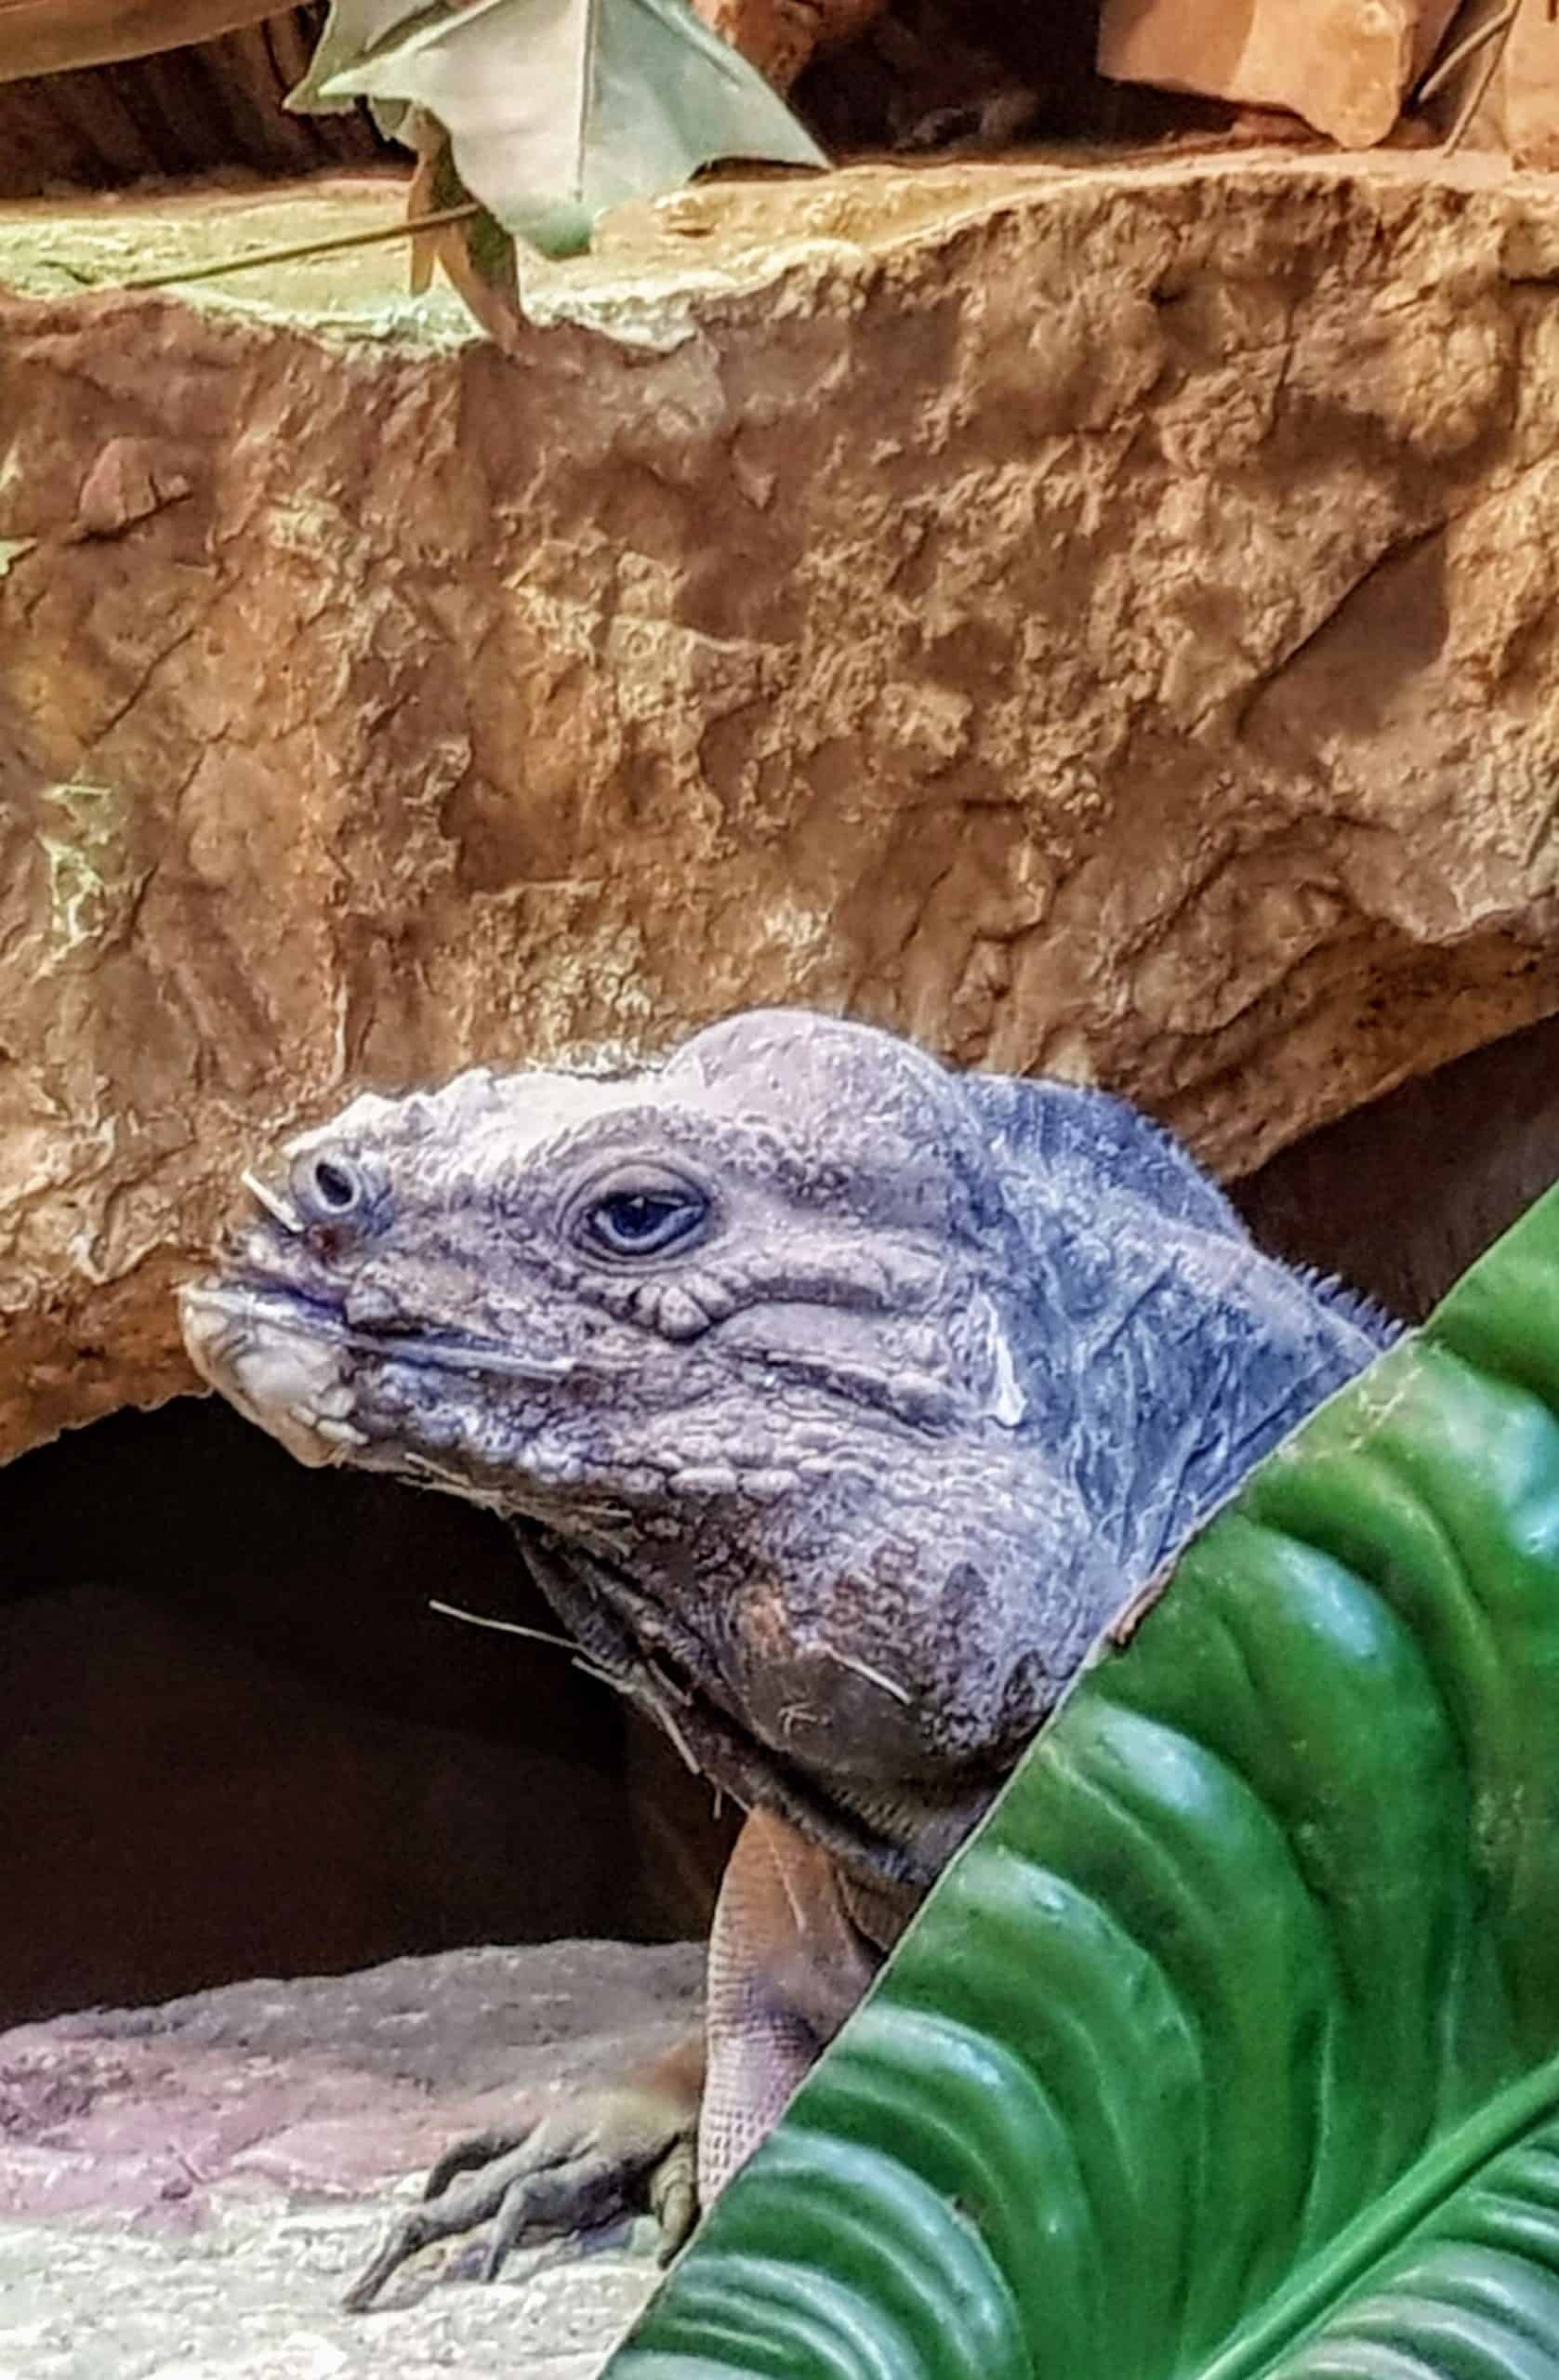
1346 67
1349 67
1521 111
1100 620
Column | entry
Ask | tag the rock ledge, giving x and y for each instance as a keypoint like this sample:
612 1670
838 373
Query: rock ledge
1091 616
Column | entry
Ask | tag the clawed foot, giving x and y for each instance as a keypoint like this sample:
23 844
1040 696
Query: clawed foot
617 2153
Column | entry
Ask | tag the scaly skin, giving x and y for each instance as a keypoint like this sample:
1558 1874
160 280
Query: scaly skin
836 1402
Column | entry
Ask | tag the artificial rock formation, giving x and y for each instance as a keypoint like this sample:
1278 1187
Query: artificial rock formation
1345 66
783 36
1092 620
208 96
1520 114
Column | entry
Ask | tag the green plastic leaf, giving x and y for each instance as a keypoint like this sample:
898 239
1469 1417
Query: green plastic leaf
354 31
1230 2044
557 109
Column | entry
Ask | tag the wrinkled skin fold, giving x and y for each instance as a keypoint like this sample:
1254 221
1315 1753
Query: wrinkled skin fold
835 1400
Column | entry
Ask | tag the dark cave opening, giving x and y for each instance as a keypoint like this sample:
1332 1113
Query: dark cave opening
235 1739
1400 1196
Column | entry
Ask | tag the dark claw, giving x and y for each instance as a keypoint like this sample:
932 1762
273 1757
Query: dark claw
467 2156
674 2199
576 2168
568 2198
405 2238
455 2209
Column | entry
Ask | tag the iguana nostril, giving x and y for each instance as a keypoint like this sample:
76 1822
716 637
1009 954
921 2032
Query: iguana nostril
329 1189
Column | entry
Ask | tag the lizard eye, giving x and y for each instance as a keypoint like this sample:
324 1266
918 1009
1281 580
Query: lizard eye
644 1221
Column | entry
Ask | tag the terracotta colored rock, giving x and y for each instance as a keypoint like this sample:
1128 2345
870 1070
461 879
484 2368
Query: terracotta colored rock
212 102
1345 65
782 36
1519 113
51 36
1526 96
1102 620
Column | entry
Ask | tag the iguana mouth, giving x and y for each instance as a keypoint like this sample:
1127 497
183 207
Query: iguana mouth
285 1360
282 1367
210 1309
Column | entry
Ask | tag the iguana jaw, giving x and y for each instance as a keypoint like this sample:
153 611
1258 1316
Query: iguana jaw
291 1363
809 1615
293 1366
288 1377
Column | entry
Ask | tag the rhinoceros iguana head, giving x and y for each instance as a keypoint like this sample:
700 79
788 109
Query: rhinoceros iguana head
757 1352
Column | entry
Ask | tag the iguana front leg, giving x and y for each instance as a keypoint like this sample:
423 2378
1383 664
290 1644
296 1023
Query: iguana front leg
789 1957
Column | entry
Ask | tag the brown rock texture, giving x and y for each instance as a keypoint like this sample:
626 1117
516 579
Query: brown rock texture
1094 619
1519 112
46 36
1528 95
781 37
1345 66
212 99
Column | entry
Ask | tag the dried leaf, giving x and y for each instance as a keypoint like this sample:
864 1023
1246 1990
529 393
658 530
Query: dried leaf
478 255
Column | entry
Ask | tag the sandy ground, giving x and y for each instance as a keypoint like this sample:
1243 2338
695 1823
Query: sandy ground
185 2191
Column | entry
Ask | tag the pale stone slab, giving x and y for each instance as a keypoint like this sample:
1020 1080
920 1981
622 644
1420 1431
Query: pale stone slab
1520 110
1345 66
185 2191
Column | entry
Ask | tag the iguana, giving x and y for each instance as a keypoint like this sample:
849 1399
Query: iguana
837 1401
